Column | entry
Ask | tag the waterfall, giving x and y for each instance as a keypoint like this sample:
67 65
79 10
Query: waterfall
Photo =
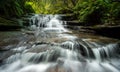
57 49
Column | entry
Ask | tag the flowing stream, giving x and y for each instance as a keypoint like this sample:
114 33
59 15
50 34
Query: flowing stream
50 47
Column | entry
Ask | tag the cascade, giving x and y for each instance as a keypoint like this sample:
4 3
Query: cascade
56 49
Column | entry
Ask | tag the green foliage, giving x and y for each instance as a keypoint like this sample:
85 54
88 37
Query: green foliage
91 11
97 11
13 8
112 12
51 6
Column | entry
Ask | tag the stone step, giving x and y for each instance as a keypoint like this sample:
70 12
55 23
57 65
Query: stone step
68 17
75 23
109 31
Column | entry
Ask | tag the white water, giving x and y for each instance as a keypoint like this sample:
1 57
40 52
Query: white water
71 54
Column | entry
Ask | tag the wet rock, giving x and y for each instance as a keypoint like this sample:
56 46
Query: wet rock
66 66
109 31
7 45
75 23
7 25
68 17
39 48
29 32
5 54
57 69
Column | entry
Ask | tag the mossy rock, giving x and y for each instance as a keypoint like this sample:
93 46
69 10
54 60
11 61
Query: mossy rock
6 24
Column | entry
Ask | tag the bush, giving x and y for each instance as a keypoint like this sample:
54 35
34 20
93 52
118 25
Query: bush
97 12
90 12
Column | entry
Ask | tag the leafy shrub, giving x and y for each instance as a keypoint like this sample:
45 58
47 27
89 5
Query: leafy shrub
97 11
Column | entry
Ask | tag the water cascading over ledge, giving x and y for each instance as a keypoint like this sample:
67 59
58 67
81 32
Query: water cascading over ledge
57 49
